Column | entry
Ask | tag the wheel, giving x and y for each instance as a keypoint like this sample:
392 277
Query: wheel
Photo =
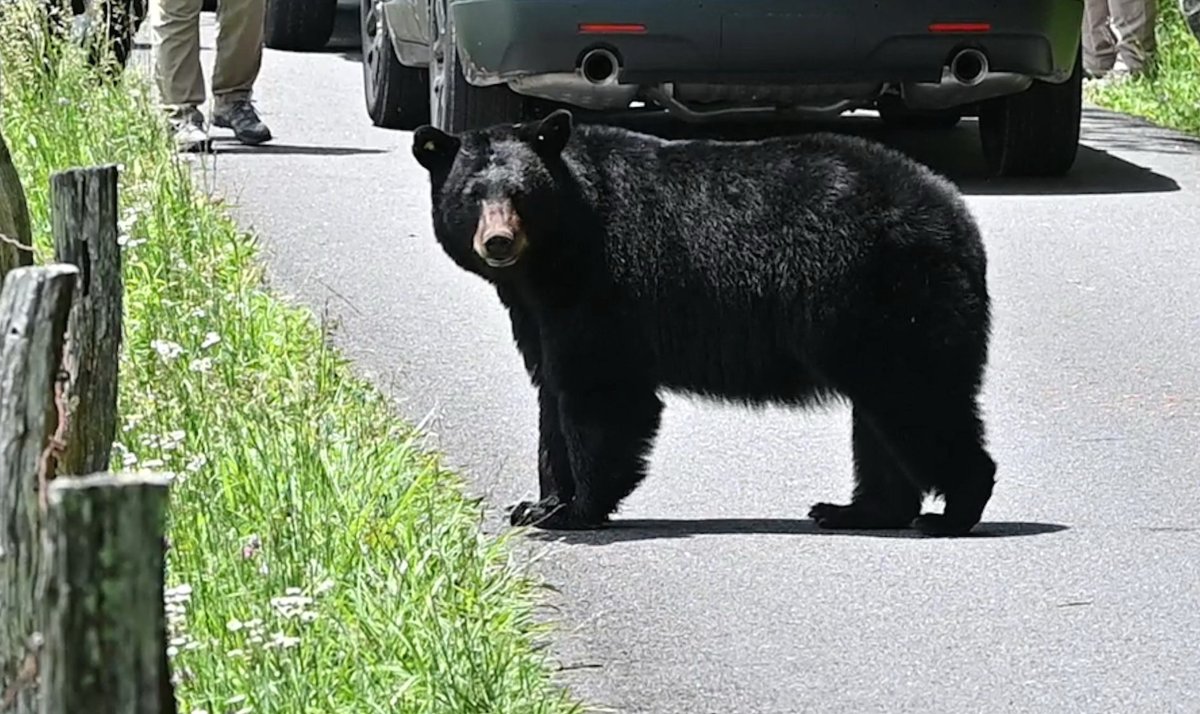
111 26
895 113
397 97
299 25
1036 132
455 105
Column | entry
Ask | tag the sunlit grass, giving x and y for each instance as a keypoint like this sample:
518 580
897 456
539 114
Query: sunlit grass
320 561
1170 94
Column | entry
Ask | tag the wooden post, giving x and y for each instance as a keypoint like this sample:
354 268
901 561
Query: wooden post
16 248
15 235
33 315
84 220
104 622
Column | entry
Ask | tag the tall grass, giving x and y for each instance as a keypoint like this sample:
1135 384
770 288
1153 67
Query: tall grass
320 561
1169 95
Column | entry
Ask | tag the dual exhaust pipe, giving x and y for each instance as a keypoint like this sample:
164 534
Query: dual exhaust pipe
968 66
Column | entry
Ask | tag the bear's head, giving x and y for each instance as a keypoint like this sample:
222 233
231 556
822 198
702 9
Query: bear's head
495 191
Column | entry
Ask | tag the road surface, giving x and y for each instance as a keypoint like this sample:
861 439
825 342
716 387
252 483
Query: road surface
717 594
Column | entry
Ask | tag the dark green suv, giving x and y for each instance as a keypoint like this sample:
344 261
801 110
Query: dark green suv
461 64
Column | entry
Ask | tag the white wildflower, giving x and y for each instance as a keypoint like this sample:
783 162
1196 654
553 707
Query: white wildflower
233 625
325 586
179 593
166 349
172 651
236 653
202 365
210 339
154 464
198 462
282 641
129 459
199 312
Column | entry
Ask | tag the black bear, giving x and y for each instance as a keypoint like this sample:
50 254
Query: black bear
786 270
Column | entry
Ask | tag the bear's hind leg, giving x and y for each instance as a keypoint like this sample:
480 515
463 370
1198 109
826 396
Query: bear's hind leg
884 497
940 443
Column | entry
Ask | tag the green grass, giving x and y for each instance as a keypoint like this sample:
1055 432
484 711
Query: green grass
1169 95
320 561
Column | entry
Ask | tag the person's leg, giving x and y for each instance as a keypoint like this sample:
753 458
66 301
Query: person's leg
1133 24
1191 15
239 58
1099 45
175 38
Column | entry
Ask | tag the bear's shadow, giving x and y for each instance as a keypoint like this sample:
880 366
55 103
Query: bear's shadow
626 530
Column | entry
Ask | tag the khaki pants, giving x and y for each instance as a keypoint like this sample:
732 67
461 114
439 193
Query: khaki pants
175 37
1118 34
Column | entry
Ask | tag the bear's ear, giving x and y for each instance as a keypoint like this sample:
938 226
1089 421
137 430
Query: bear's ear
433 148
551 134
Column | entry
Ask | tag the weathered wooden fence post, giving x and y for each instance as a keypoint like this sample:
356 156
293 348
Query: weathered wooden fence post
84 222
104 534
15 235
34 303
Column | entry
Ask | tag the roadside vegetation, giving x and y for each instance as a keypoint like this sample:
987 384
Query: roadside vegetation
1169 95
320 560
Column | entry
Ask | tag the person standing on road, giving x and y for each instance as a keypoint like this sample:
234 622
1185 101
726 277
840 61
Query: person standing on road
1191 15
1118 36
175 33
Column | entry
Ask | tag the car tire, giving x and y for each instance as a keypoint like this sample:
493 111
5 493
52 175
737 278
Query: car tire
397 97
123 19
1034 133
456 105
299 25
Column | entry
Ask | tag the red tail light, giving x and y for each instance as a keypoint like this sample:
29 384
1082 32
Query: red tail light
960 27
610 28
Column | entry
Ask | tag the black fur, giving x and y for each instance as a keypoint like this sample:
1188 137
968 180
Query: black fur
786 270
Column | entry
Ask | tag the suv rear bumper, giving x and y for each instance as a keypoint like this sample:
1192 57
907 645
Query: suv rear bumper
765 41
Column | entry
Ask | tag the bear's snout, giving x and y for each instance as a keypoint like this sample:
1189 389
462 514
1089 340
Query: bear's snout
498 247
499 239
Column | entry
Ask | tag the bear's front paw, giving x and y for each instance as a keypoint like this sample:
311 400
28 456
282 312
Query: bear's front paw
551 514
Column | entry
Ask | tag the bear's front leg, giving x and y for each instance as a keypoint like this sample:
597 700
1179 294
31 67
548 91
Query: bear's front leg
556 484
607 433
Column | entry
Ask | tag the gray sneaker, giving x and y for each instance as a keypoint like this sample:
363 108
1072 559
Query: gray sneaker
190 134
241 117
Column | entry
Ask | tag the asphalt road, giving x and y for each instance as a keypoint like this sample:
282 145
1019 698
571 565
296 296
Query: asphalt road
716 594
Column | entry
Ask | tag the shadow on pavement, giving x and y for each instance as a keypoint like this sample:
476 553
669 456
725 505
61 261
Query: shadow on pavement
231 146
652 529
